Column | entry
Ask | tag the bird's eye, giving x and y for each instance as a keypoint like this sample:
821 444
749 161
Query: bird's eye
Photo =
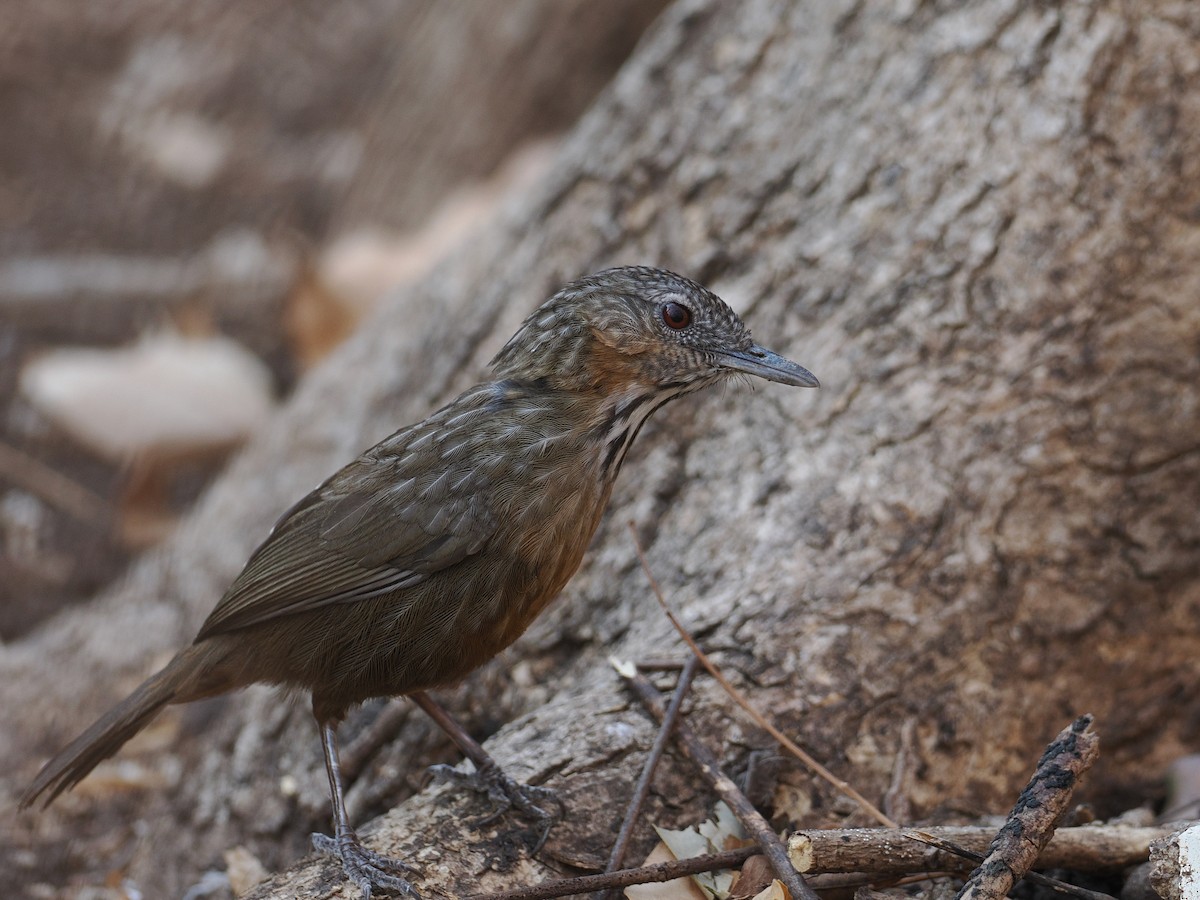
676 315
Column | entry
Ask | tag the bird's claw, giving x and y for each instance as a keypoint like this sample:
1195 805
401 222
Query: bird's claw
366 868
505 793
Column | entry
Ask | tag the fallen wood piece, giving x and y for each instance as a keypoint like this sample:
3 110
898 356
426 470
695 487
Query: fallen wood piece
883 851
1031 823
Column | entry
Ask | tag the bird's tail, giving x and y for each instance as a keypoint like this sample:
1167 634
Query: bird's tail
115 727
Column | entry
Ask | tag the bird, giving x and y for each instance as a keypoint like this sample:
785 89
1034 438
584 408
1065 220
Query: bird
436 548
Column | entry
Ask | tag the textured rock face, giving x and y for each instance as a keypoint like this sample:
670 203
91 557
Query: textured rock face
978 227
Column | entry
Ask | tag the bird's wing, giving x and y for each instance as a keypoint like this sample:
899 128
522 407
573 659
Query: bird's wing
378 525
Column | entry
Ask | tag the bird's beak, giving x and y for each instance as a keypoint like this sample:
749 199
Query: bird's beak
762 362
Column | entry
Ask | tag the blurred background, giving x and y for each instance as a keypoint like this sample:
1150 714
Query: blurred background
199 201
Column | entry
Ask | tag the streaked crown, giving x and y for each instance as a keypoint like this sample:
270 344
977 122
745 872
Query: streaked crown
638 325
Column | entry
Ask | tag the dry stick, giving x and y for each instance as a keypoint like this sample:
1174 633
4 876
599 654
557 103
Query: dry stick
658 664
1036 877
51 485
667 871
738 698
1038 809
617 856
381 731
881 851
759 828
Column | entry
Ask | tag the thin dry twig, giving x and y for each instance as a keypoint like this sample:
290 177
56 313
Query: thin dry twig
1032 821
617 856
382 730
52 486
704 760
667 871
1036 877
740 699
656 664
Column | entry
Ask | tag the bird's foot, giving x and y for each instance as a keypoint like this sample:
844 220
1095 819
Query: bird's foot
505 793
366 868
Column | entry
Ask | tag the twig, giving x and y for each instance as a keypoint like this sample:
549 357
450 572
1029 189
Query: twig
895 801
841 883
759 828
740 699
1036 877
381 731
1031 823
667 871
882 851
52 486
657 664
617 856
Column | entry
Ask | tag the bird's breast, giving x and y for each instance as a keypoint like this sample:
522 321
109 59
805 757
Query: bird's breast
548 471
548 502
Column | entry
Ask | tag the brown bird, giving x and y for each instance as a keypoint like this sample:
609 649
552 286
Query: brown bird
435 549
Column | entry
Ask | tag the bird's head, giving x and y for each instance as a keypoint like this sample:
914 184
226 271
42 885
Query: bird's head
636 325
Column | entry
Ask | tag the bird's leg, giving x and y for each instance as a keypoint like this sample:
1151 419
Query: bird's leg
503 792
364 867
